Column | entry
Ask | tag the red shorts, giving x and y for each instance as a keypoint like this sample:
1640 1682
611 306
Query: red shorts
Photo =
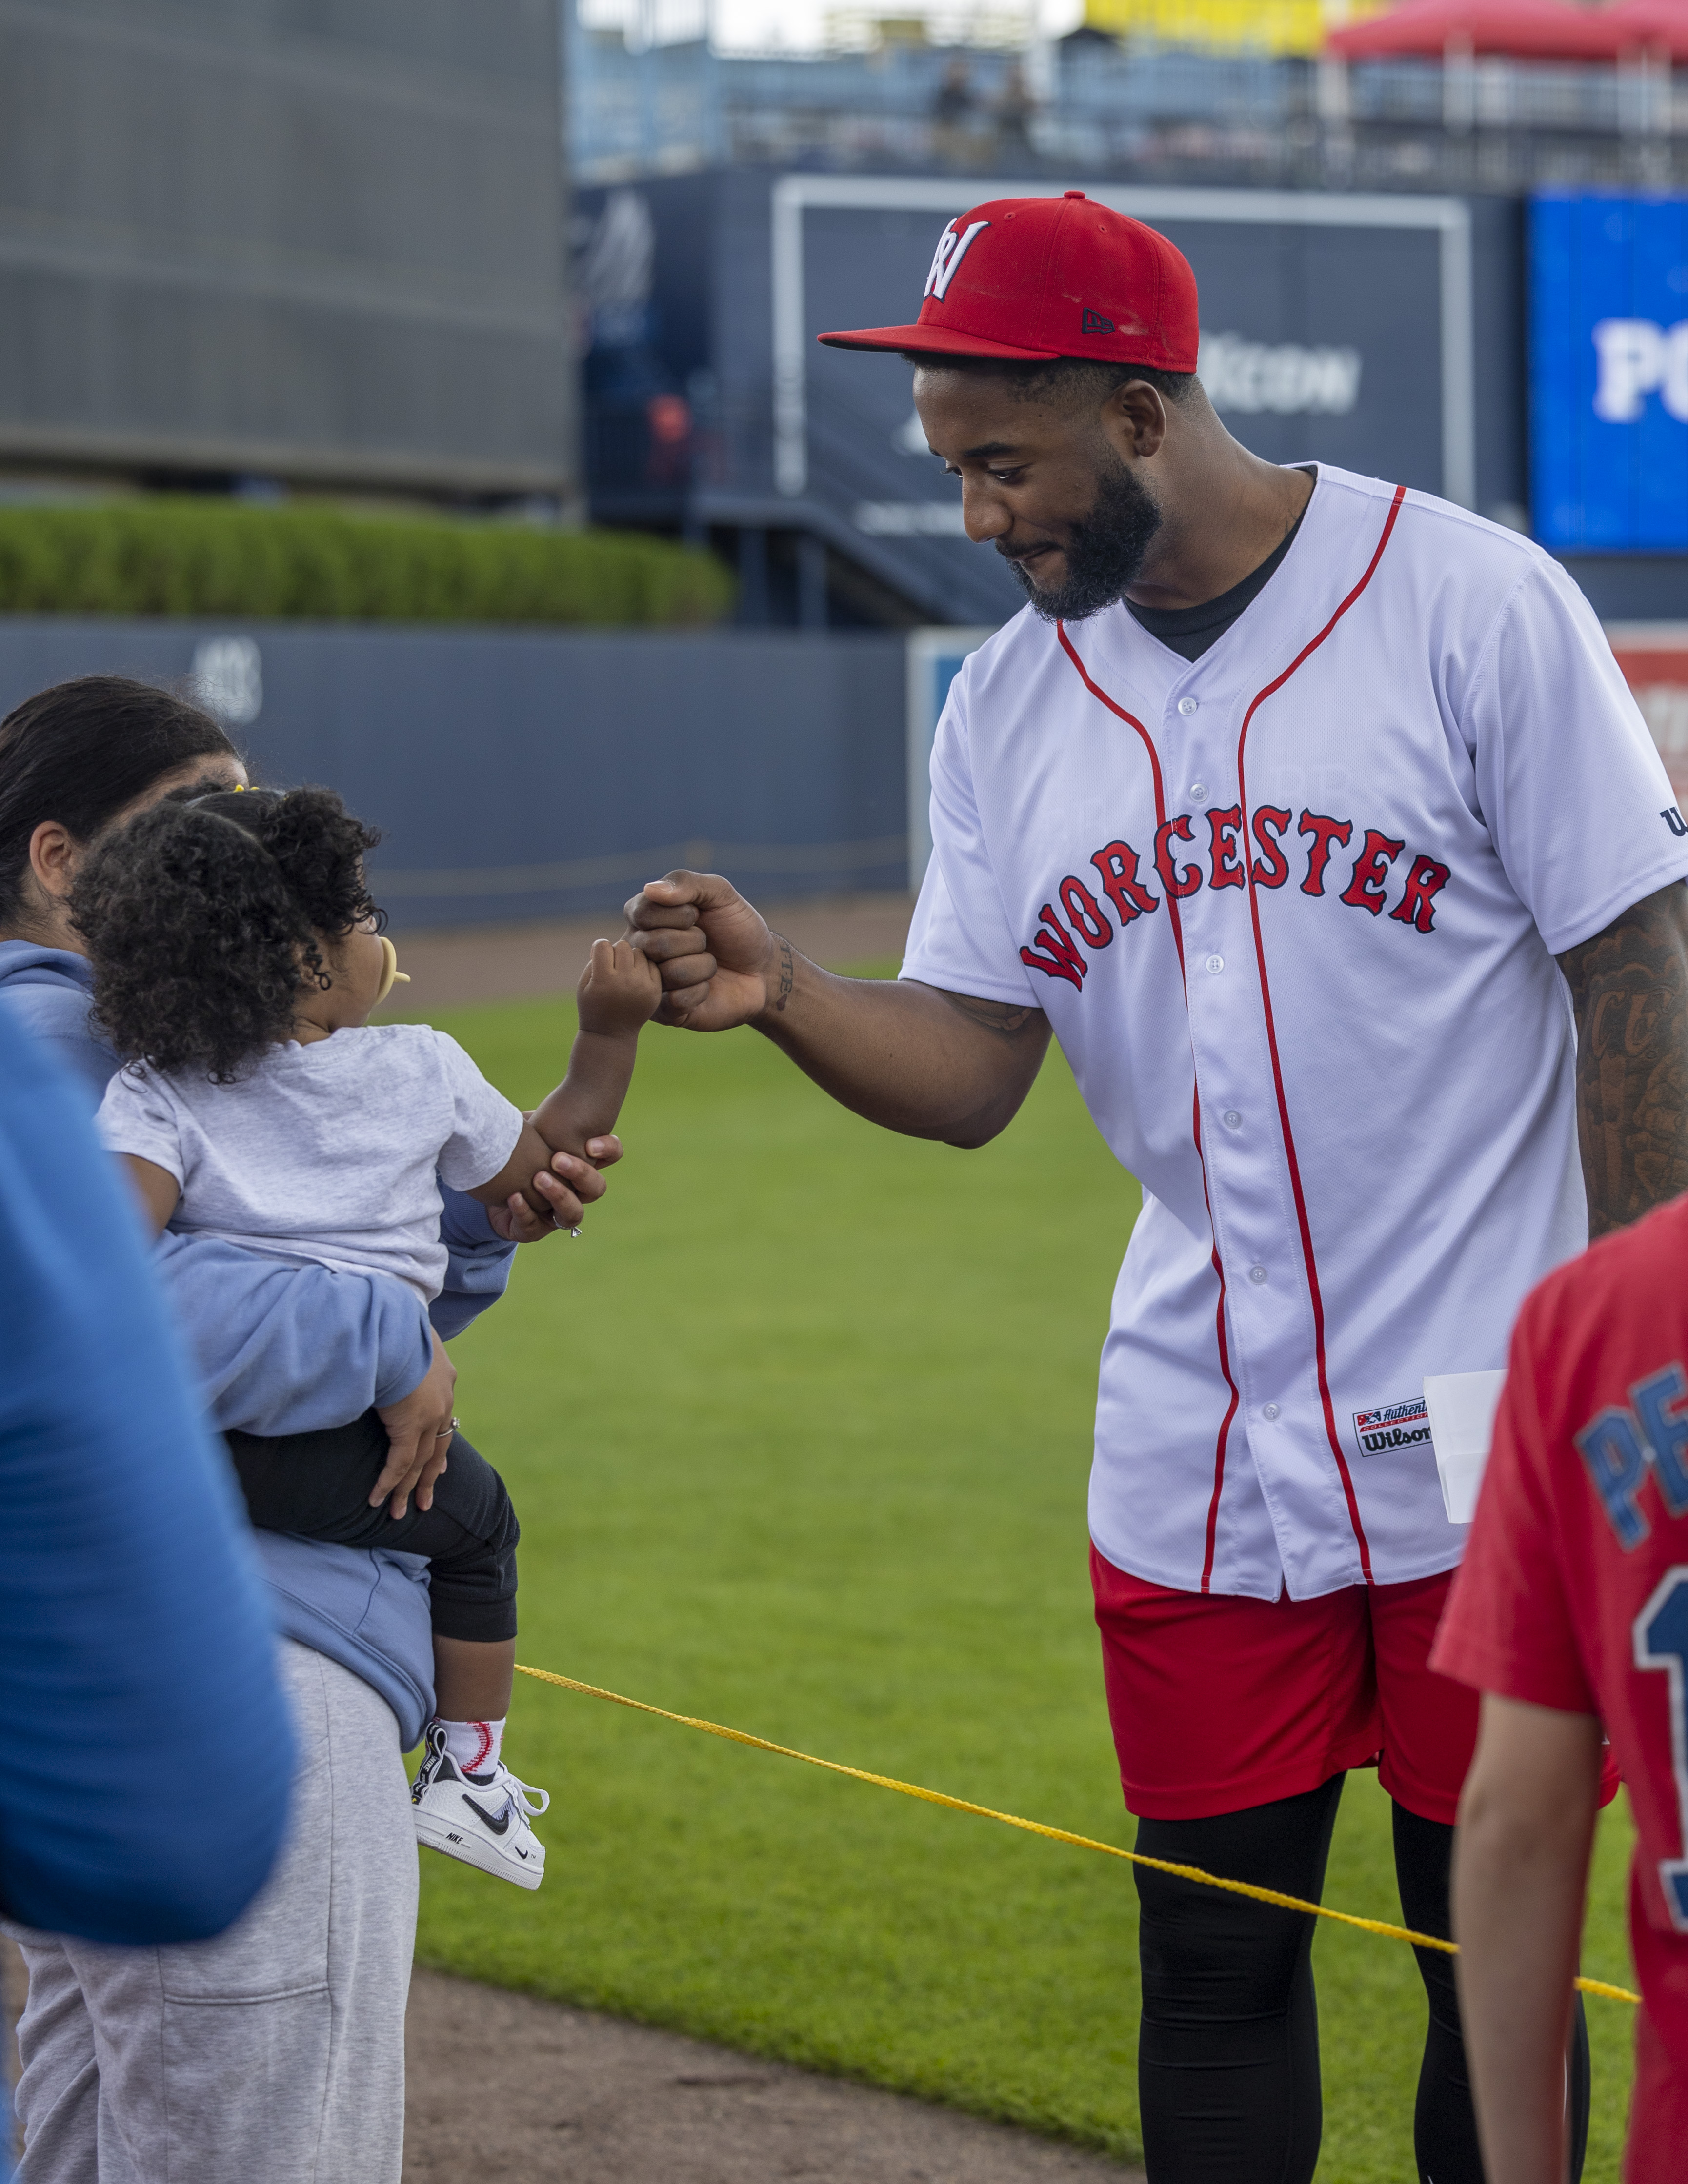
1218 1703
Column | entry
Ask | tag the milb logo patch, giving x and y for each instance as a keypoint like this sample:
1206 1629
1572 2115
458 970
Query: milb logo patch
1392 1425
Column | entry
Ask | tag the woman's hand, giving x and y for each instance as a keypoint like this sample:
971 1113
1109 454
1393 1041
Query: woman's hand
568 1189
419 1434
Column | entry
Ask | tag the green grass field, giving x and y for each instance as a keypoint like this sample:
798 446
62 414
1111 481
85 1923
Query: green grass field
799 1434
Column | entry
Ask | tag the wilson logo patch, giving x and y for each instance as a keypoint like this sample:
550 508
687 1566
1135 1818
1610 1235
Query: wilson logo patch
1392 1425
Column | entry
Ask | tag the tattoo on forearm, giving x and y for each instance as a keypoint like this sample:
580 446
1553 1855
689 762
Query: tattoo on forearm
1629 989
783 990
1008 1019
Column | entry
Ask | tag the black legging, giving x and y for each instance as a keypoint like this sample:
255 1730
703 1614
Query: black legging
1228 2059
318 1485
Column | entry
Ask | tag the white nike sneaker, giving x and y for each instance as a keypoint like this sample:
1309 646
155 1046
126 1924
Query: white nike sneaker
481 1819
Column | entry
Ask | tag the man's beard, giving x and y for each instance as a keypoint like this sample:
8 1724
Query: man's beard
1104 549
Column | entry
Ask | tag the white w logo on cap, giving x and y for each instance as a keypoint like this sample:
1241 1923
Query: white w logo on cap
951 250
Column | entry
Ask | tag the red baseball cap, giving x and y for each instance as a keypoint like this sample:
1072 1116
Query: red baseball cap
1036 278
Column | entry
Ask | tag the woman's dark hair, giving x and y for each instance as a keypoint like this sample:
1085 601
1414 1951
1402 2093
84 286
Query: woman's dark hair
81 753
203 917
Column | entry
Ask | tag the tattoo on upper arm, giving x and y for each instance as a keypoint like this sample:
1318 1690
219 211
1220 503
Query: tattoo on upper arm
1008 1019
1629 989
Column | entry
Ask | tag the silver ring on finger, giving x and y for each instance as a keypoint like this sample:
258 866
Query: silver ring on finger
446 1432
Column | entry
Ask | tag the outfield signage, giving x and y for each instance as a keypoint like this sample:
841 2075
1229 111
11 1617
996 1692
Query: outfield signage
1654 658
1609 373
934 660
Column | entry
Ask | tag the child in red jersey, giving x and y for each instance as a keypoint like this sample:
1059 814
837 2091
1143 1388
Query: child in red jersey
1570 1614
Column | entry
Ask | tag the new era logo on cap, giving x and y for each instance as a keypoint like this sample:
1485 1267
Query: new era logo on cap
1037 278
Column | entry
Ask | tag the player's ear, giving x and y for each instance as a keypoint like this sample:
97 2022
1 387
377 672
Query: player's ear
1134 418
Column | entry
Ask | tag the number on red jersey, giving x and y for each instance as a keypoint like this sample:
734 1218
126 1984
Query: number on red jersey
1661 1637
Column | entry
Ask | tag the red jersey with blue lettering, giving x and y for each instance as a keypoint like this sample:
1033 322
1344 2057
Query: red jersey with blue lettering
1573 1593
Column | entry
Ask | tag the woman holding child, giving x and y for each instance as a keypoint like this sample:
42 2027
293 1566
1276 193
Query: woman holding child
237 960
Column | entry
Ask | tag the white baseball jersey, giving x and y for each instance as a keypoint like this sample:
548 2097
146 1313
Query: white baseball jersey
1292 910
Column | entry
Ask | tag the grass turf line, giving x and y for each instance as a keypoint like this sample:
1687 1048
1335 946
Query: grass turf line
798 1434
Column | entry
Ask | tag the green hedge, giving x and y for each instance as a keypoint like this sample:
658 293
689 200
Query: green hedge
170 555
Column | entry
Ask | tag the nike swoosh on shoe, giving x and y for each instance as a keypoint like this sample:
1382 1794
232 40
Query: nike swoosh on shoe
499 1826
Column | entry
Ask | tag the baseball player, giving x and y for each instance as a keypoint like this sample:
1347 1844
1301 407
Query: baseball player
1313 817
1571 1610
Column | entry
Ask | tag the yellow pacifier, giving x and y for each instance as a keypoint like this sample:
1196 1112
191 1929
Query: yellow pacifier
391 975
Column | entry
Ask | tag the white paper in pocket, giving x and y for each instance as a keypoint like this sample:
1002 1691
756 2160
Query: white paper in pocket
1461 1407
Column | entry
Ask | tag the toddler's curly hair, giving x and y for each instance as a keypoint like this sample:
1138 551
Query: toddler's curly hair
204 918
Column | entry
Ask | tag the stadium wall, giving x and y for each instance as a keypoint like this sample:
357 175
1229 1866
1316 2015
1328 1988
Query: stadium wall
526 774
240 237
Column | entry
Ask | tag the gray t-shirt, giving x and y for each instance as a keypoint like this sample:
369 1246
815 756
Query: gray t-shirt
327 1152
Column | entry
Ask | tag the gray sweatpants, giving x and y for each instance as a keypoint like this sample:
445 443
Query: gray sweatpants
274 2054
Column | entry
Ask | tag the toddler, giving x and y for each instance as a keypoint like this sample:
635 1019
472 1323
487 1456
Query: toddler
237 956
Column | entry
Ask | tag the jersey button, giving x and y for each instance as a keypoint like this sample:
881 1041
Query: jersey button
1257 1274
1214 963
1198 791
1269 1411
1186 706
1233 1121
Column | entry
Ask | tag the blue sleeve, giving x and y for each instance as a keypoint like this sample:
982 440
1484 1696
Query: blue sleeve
283 1349
144 1793
478 1269
57 1018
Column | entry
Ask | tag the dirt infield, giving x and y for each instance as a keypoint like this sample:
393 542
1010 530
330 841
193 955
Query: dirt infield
451 969
503 2086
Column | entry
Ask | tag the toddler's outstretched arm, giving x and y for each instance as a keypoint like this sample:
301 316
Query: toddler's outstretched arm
617 995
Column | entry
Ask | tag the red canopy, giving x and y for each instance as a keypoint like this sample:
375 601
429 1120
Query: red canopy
1658 25
1529 29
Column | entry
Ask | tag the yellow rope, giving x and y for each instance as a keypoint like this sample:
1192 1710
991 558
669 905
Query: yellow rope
1038 1827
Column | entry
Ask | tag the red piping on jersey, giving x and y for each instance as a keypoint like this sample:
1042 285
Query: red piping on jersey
1208 1543
1305 653
1195 1114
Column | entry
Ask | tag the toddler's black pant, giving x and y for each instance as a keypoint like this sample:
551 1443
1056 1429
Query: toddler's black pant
1228 2061
318 1485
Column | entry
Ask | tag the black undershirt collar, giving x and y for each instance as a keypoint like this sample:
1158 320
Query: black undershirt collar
1191 630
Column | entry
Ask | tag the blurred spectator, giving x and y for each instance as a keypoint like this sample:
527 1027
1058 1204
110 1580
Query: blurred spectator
953 107
669 418
1013 110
